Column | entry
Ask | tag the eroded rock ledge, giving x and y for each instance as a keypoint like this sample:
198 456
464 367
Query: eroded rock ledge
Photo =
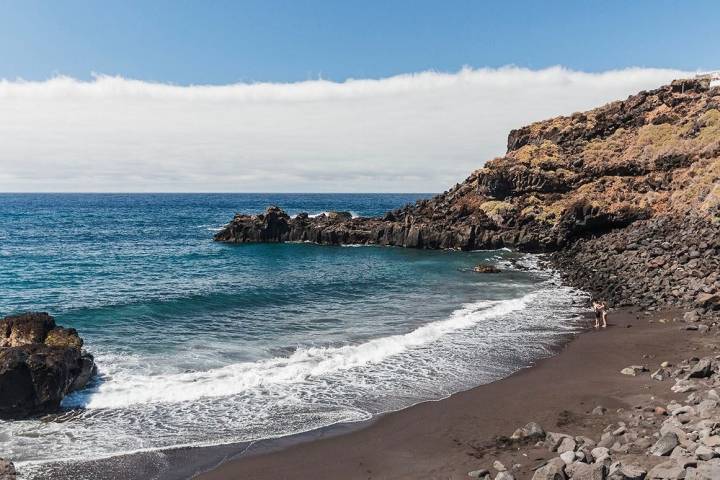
643 172
40 363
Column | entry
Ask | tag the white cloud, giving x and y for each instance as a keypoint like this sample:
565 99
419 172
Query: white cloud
419 132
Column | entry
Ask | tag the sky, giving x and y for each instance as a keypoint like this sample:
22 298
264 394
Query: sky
309 95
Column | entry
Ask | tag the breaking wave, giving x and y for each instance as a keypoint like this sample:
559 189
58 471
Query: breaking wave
303 364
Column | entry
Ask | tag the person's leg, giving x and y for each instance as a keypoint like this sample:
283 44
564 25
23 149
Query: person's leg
604 318
597 319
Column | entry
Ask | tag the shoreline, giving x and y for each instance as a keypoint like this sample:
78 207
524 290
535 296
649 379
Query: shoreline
443 438
448 438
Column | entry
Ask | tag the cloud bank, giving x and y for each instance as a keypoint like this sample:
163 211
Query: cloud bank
418 132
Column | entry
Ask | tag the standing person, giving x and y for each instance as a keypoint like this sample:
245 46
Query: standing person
600 313
604 314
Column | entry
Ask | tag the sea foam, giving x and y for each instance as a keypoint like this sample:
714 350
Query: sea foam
303 364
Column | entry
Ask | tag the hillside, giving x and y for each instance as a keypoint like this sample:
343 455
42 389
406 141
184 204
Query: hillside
573 185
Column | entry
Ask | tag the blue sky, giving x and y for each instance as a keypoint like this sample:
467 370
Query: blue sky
220 42
310 96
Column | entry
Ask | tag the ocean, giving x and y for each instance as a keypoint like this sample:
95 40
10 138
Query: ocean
202 343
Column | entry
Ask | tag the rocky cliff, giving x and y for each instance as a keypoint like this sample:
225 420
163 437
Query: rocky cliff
40 363
572 185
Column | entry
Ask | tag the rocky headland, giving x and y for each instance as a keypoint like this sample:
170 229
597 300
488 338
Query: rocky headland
40 363
625 198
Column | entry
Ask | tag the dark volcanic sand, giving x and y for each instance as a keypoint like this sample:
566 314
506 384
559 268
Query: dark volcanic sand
448 438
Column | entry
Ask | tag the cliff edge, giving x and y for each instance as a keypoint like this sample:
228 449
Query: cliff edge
572 185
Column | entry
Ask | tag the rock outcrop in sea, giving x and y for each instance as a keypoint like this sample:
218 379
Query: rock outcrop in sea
627 196
40 363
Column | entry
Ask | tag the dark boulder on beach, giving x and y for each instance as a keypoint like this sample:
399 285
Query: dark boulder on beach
627 195
40 363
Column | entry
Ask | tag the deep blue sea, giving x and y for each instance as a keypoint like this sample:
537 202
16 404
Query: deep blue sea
202 343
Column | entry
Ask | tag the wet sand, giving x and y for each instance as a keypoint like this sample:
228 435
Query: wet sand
448 438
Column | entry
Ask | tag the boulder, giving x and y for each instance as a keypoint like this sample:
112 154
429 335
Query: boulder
567 444
599 410
669 470
703 452
711 441
660 374
633 370
40 363
553 440
568 457
497 465
532 432
584 471
709 470
665 445
600 452
632 472
553 470
702 369
708 300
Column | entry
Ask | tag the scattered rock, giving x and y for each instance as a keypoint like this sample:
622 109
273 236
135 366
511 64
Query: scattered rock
669 470
665 445
553 440
705 300
702 369
660 374
705 453
568 444
531 432
599 410
554 470
600 452
482 473
499 466
633 370
632 472
568 457
705 471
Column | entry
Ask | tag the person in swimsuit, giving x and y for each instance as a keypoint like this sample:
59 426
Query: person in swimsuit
600 313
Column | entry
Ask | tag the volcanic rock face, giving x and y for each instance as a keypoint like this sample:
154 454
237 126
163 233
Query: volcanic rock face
563 185
663 261
40 363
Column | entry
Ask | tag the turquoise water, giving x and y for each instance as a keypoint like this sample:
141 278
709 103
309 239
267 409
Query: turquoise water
202 343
